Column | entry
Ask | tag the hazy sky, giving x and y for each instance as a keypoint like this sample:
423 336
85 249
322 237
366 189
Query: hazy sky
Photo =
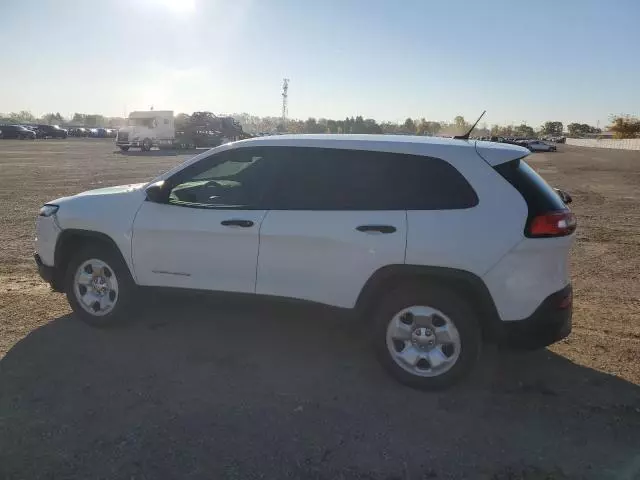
568 60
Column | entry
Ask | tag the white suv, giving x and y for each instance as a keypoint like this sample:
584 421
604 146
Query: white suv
438 243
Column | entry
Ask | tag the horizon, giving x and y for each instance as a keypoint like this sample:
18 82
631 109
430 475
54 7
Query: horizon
371 59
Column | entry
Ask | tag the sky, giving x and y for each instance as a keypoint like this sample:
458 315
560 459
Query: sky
567 60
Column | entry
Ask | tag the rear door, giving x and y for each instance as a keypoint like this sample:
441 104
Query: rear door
332 222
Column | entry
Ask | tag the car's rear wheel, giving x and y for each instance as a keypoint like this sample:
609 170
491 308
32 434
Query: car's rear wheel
427 337
99 286
146 145
124 148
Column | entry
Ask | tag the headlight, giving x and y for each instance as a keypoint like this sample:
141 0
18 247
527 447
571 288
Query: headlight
48 210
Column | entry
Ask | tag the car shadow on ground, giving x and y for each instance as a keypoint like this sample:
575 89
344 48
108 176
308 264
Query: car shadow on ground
202 387
161 153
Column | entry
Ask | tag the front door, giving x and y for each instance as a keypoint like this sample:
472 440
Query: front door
206 234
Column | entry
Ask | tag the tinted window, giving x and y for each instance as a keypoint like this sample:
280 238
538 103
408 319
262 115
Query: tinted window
236 178
331 179
540 197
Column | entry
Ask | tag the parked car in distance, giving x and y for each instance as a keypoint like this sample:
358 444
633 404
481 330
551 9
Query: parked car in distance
77 132
101 132
50 131
342 220
17 131
540 146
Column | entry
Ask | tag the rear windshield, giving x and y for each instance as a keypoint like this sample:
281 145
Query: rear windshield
540 197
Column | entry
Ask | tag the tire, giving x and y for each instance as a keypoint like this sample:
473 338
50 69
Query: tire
116 287
431 310
146 145
124 148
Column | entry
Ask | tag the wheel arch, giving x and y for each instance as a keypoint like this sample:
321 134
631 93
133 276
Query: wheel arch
70 241
465 283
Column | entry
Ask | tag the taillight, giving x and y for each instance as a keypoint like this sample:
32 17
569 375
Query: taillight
552 224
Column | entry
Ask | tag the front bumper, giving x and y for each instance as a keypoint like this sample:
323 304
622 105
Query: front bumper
550 323
46 272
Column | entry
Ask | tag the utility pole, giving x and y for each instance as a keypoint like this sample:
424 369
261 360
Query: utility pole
285 101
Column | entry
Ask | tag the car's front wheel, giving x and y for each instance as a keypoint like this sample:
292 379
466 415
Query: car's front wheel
427 337
98 285
124 148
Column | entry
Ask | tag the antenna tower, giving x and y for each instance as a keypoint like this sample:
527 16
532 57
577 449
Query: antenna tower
285 100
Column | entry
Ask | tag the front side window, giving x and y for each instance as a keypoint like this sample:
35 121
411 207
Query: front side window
231 179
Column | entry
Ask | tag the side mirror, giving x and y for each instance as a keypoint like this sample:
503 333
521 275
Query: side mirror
157 192
566 198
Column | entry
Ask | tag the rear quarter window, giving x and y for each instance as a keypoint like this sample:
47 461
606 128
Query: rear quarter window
540 197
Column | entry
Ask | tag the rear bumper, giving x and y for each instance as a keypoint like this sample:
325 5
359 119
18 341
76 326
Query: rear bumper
550 323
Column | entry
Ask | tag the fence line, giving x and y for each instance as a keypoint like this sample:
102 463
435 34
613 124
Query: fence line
624 144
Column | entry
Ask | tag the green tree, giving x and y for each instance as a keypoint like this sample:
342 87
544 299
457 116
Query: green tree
312 126
625 126
424 127
332 126
581 129
372 127
53 118
409 126
390 128
460 123
524 131
552 128
23 116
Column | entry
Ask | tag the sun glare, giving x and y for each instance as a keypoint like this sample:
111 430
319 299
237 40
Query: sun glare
179 6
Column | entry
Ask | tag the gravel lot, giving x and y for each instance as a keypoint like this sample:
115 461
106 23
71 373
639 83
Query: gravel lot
205 387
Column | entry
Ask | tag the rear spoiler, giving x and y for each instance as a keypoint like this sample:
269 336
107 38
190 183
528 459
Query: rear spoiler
498 153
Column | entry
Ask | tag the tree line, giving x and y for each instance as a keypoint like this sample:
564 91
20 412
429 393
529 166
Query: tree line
78 119
623 126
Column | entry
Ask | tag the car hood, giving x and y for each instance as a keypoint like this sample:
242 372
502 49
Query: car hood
116 191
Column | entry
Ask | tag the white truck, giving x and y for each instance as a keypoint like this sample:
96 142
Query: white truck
147 129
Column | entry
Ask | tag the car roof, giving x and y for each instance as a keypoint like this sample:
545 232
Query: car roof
494 153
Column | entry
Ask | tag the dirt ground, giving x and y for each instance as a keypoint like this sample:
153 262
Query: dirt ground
216 388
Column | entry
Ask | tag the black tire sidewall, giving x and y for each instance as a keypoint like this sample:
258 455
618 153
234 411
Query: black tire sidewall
123 276
449 303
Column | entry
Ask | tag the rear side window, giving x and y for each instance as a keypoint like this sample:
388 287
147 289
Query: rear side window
333 179
540 197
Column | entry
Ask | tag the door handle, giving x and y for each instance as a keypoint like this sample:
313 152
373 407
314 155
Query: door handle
376 228
234 222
